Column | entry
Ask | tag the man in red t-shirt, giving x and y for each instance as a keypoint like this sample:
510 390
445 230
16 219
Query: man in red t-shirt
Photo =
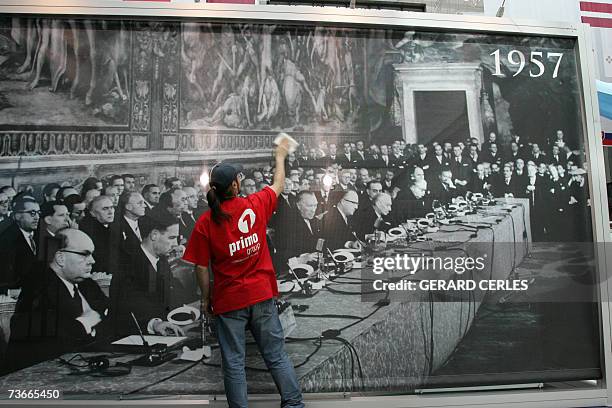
231 238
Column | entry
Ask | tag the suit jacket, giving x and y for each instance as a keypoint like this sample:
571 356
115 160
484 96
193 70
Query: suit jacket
397 161
360 158
124 236
284 210
330 160
536 197
561 159
148 207
435 166
188 222
347 162
138 288
17 257
294 238
461 171
513 157
47 245
4 224
385 161
101 237
542 158
474 161
489 158
423 163
44 325
365 219
333 197
501 188
406 205
477 185
335 230
439 192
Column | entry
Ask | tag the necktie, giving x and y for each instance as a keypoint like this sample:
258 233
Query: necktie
32 244
308 224
137 231
77 301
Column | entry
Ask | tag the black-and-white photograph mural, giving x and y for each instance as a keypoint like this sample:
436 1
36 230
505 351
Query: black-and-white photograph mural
459 154
269 77
66 72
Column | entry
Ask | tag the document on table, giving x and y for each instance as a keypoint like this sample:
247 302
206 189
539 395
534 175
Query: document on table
136 340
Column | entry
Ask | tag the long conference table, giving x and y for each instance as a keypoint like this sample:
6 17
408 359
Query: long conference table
398 345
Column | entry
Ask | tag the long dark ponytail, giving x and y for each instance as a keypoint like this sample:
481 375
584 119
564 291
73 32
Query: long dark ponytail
214 202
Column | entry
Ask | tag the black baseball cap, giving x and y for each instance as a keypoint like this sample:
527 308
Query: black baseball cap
224 173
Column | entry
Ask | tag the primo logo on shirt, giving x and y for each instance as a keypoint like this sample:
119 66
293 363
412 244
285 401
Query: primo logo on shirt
251 243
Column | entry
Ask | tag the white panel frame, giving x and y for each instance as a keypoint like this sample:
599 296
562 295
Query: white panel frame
596 395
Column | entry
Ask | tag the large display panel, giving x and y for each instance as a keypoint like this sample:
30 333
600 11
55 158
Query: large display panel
427 158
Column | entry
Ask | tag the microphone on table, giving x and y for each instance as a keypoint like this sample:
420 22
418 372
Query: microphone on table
144 341
319 248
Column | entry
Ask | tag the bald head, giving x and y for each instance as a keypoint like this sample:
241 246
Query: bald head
74 258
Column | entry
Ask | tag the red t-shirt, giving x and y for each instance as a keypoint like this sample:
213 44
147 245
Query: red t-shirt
238 252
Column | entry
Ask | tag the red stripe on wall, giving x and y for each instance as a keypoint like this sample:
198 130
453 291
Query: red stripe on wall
595 7
598 22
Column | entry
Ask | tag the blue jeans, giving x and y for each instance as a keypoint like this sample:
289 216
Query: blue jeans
262 320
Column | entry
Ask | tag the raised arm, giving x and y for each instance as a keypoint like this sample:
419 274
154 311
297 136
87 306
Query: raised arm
280 153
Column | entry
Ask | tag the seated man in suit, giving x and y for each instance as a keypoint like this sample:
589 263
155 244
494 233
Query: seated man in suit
126 232
480 181
192 212
300 234
413 200
537 156
96 225
174 202
18 247
442 188
514 154
54 217
378 217
461 168
63 309
76 209
556 157
5 219
337 228
373 188
151 193
129 181
144 284
507 185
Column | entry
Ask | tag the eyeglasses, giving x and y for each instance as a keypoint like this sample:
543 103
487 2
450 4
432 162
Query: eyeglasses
86 254
32 213
351 201
4 202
